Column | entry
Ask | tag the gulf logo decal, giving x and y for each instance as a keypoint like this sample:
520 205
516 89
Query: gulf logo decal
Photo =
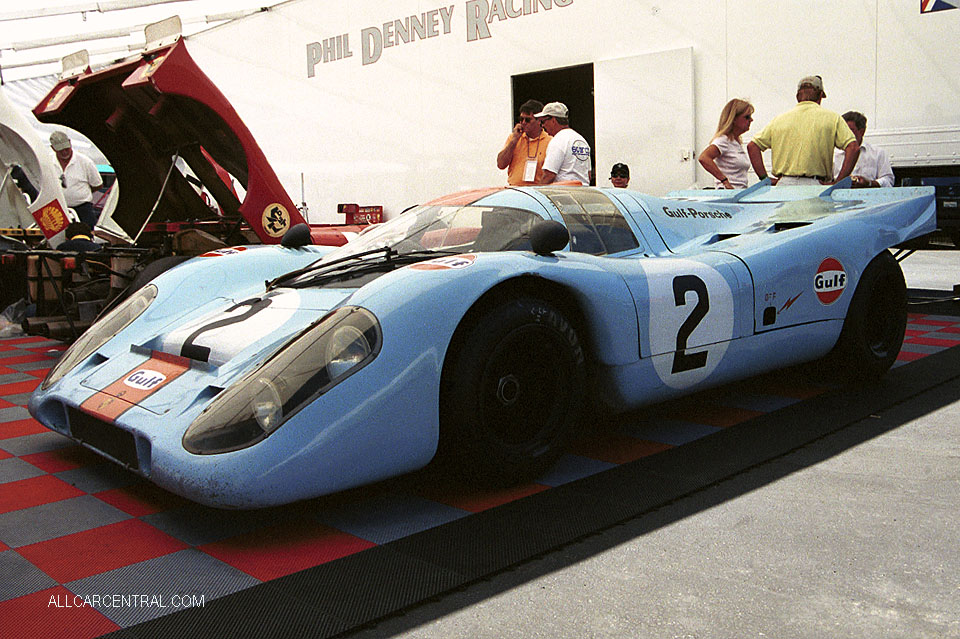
830 281
135 386
145 379
445 263
233 250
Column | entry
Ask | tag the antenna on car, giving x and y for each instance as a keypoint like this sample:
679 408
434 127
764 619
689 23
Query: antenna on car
303 199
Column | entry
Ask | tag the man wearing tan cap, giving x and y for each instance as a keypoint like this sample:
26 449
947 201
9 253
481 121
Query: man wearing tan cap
79 178
802 141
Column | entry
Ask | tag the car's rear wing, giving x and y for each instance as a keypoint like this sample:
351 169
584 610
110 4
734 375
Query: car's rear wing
684 217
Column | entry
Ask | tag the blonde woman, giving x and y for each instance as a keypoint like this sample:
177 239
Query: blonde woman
725 158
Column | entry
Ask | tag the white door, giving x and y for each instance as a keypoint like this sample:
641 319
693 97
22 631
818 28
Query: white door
645 118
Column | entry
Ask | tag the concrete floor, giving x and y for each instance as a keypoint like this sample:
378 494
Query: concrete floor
853 535
936 270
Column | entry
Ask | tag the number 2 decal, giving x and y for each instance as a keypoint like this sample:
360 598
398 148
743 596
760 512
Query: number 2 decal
690 318
682 284
217 336
201 353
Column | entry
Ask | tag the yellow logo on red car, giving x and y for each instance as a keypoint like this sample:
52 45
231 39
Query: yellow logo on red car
275 219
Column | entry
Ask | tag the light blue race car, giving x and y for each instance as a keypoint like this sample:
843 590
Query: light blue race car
476 329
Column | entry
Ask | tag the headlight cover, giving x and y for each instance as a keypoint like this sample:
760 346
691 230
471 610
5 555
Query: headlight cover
98 334
322 356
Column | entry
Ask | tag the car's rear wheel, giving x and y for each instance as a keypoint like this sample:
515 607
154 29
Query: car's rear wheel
874 327
512 393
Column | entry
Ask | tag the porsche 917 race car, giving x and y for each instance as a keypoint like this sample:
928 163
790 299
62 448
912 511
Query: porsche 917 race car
476 329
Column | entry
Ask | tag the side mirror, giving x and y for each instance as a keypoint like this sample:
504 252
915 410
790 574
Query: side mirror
296 236
548 236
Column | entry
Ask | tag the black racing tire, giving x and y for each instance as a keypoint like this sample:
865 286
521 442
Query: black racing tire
511 394
873 330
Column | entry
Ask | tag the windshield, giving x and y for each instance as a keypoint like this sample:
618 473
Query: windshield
447 229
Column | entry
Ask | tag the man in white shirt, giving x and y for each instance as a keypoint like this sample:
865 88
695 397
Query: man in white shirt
568 156
873 166
79 178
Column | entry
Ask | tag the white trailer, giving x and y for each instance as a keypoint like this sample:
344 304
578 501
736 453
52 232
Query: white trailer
396 103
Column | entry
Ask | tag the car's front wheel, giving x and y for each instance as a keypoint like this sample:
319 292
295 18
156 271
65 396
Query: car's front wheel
512 393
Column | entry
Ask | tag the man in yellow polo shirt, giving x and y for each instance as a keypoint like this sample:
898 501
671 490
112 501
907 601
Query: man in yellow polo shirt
803 139
525 148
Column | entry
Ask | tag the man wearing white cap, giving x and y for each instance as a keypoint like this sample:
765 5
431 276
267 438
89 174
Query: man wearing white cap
803 139
568 156
79 179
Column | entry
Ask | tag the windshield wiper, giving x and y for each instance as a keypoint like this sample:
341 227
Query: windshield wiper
321 265
321 272
423 254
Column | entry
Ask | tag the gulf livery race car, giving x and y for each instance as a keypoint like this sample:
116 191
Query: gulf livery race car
476 329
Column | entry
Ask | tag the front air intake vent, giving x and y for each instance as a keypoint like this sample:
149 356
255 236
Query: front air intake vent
106 438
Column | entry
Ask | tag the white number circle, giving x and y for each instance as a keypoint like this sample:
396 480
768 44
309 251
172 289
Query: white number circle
690 319
219 336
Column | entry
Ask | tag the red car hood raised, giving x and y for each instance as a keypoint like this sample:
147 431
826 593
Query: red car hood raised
142 113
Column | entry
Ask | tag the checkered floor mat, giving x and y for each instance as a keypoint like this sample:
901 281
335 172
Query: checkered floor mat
87 548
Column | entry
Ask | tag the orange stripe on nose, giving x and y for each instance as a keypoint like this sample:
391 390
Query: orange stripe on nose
136 385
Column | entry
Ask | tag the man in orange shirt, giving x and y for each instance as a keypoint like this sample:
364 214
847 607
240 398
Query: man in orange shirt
525 148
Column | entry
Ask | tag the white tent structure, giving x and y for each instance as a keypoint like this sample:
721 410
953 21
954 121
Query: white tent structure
396 103
34 38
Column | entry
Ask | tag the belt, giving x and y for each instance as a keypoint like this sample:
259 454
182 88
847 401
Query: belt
813 177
